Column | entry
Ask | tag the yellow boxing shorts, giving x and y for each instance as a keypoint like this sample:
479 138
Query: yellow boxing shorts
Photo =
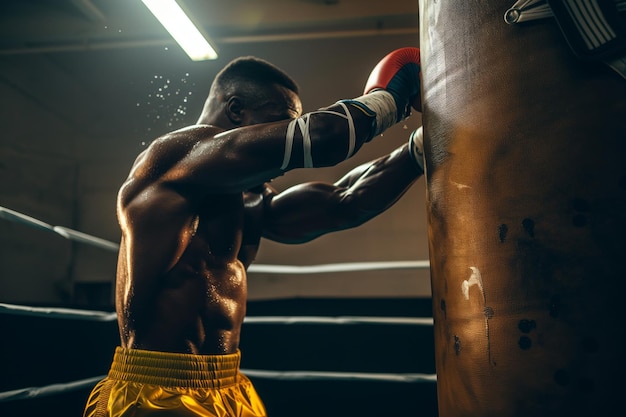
147 383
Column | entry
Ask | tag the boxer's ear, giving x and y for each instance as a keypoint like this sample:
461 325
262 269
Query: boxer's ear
234 110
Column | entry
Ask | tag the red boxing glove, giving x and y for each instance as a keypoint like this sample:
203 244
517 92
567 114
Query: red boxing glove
399 74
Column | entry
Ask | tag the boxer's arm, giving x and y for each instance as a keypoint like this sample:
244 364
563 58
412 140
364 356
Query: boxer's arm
235 160
306 211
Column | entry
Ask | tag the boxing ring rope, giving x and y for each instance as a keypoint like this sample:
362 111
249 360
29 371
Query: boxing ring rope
64 313
34 392
103 316
67 233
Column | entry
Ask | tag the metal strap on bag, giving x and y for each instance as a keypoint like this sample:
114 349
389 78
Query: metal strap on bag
593 29
526 10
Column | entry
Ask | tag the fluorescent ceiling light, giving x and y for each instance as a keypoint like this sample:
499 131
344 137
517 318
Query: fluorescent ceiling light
182 29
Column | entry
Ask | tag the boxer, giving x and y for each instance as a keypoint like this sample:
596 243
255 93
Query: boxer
197 202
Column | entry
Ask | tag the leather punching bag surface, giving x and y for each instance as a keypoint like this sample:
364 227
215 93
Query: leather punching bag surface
525 150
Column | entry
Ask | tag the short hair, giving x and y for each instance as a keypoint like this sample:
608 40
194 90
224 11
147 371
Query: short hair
251 78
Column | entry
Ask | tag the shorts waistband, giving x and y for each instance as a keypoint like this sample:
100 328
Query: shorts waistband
175 369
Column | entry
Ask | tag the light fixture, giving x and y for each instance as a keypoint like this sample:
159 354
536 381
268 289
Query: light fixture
182 29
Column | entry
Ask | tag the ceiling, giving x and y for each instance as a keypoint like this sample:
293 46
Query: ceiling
104 58
36 26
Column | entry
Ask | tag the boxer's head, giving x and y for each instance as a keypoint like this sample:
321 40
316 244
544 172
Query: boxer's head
250 91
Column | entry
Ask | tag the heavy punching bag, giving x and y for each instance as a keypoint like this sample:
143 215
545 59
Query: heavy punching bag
525 147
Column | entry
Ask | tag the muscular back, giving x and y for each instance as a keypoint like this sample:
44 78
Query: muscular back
181 284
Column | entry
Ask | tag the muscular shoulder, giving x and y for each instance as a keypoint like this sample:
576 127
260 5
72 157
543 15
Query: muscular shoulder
167 150
164 155
174 146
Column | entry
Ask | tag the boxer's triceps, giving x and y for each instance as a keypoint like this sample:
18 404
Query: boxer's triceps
303 123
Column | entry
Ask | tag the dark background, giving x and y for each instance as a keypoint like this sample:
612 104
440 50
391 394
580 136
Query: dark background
39 351
79 93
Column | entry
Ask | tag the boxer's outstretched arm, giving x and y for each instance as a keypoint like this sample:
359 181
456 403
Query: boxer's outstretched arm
237 159
306 211
203 158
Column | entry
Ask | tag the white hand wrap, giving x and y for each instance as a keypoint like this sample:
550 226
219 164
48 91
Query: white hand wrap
416 147
304 123
378 103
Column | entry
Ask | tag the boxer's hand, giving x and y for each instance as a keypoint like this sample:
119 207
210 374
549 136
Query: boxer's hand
416 147
399 74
